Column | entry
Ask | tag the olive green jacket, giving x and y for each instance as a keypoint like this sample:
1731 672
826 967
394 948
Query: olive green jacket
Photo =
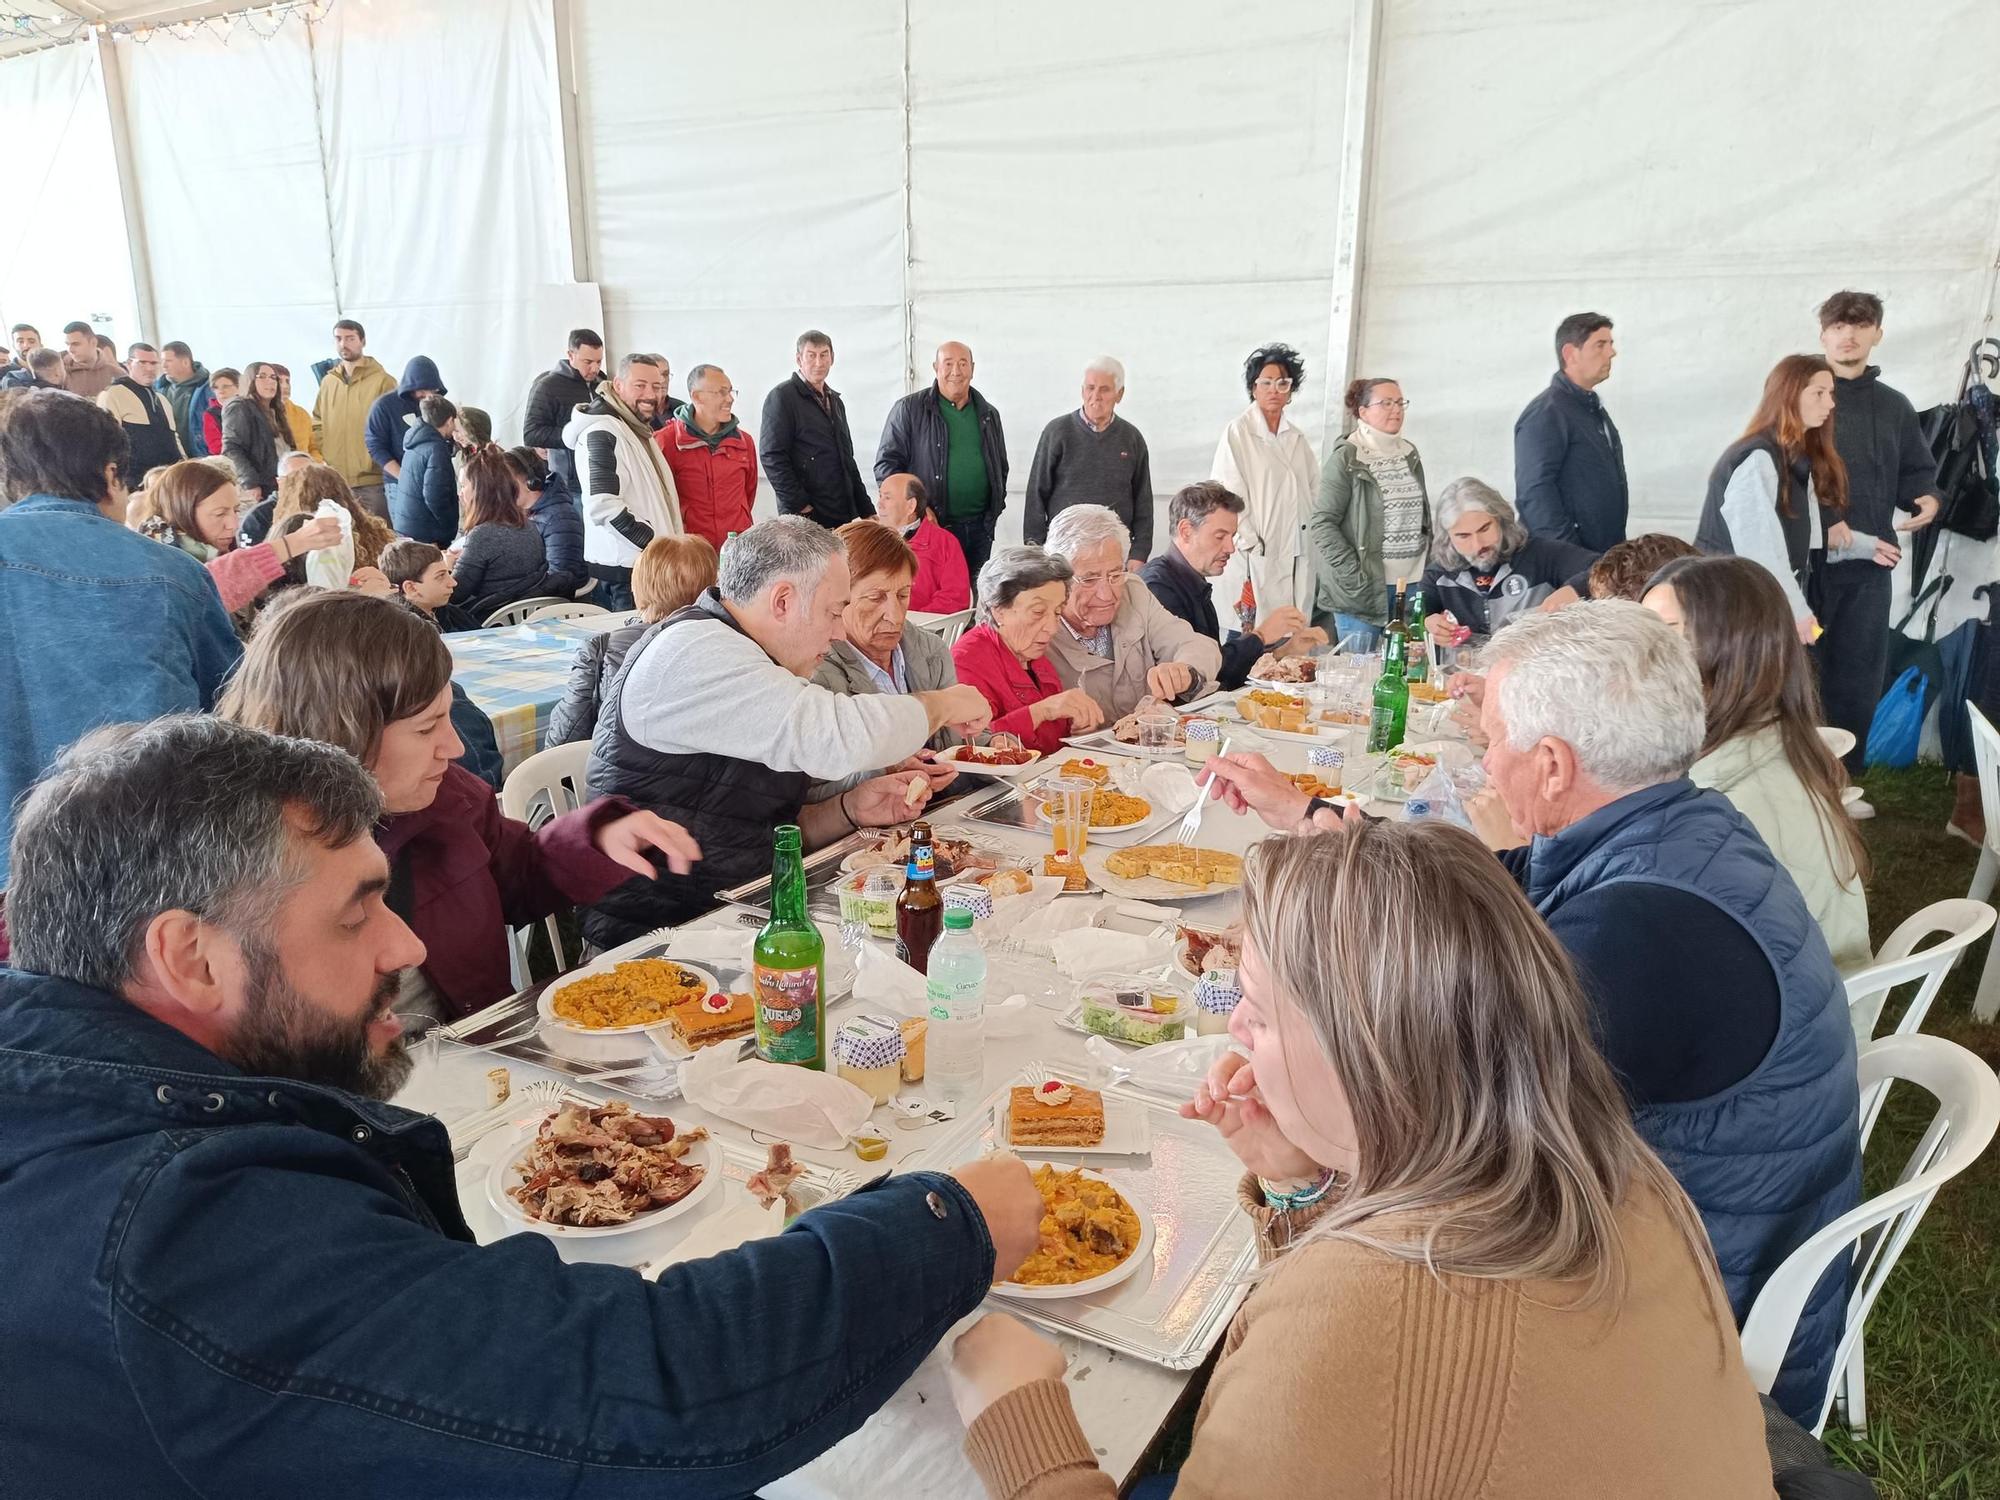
1344 535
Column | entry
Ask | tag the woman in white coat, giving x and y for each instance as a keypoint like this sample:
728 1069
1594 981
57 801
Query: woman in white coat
1763 749
1270 463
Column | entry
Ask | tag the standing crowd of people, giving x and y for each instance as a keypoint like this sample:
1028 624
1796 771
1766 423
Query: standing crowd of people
1516 1176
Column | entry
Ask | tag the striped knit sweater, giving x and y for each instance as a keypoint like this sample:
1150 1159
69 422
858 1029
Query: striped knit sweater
1349 1374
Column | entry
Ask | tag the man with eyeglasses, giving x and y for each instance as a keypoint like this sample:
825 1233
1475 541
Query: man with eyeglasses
714 461
1569 462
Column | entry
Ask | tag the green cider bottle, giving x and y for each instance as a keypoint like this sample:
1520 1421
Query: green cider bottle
788 965
1392 698
1418 662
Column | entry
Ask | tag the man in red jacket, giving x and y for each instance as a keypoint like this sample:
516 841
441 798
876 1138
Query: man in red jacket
714 461
942 586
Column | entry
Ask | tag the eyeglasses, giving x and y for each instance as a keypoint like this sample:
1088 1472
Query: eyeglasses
1282 383
1391 405
1096 580
728 392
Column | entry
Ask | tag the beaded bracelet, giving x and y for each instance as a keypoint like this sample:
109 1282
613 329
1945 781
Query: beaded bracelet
1284 1203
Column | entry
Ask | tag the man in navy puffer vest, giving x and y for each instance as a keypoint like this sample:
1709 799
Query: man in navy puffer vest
1717 1000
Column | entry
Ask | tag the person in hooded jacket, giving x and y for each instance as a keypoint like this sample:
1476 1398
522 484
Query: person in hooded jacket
550 507
713 459
389 418
425 503
183 385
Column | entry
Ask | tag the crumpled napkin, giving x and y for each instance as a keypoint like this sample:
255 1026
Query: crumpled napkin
1168 785
884 982
799 1105
1094 950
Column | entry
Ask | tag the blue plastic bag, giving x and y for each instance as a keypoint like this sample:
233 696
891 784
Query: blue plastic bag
1899 721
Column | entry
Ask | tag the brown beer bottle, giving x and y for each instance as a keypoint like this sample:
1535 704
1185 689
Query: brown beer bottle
919 908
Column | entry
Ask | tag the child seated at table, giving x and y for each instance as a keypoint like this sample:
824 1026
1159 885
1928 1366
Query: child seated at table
422 578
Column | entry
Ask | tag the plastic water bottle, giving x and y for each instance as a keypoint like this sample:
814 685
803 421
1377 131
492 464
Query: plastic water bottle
955 1041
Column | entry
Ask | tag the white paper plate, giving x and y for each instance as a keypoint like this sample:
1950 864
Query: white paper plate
617 1244
1147 887
1142 1254
551 1021
1042 813
1128 1131
1272 685
1004 773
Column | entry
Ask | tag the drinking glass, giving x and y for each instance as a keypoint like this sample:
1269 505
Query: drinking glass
1068 804
1157 728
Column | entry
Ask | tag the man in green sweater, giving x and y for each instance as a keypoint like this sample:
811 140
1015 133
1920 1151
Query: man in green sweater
949 436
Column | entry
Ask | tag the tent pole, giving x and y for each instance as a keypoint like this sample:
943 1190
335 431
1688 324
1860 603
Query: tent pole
562 12
1357 160
325 172
110 75
909 238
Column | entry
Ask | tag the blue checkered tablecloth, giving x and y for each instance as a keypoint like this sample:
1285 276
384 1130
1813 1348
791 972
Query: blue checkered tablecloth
517 673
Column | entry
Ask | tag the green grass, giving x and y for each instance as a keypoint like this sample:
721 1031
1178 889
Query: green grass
1934 1338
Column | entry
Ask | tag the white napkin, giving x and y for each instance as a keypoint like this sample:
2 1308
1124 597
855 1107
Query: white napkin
1010 912
884 982
1168 786
712 945
1098 949
795 1104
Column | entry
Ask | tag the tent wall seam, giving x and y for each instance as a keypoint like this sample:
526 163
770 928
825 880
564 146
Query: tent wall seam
1350 246
909 225
325 171
111 75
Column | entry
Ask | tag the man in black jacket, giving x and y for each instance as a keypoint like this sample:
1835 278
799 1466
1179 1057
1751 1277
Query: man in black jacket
1203 519
1486 570
1889 468
1569 464
804 441
949 436
555 396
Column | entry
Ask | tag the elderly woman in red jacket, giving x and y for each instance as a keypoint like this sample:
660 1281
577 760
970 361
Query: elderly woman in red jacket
942 585
375 679
1005 655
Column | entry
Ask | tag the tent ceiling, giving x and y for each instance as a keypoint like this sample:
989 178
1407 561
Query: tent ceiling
90 12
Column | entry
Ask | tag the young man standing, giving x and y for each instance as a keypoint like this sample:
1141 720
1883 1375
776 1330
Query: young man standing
1889 468
183 385
1569 463
807 448
87 369
148 424
347 391
555 396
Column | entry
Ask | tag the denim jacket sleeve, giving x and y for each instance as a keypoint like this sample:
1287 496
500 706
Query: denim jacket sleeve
291 1327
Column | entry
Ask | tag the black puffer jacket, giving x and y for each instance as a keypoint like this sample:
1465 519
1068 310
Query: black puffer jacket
596 662
914 441
251 446
552 401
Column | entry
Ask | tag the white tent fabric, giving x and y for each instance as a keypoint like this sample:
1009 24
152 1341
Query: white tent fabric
62 245
1154 181
1706 175
740 194
226 151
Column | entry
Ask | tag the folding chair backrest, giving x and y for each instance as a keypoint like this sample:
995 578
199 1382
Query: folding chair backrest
519 610
1900 962
569 609
1875 1231
545 785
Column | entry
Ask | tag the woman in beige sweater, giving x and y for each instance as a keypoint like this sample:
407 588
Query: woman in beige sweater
1478 1281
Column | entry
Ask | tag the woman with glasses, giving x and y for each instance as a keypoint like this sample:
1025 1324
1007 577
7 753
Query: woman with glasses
1371 521
1268 462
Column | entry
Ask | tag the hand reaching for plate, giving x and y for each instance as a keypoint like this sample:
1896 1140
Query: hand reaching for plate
1075 705
996 1356
884 801
627 839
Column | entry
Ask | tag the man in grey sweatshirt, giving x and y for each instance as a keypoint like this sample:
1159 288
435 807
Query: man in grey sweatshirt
714 714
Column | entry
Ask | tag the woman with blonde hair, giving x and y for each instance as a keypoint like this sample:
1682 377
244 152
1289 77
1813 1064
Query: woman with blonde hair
192 506
300 493
1477 1278
670 575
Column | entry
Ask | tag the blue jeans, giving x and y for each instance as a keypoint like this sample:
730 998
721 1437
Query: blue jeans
1348 625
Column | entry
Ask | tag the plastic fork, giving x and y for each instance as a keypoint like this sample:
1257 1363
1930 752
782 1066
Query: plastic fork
1191 824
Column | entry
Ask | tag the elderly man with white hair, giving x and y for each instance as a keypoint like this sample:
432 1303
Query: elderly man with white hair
1093 456
949 436
1716 998
714 716
1115 640
1485 570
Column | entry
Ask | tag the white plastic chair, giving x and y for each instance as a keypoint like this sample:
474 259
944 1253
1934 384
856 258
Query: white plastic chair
568 610
1963 922
1839 741
519 610
947 628
546 784
1876 1230
1986 754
